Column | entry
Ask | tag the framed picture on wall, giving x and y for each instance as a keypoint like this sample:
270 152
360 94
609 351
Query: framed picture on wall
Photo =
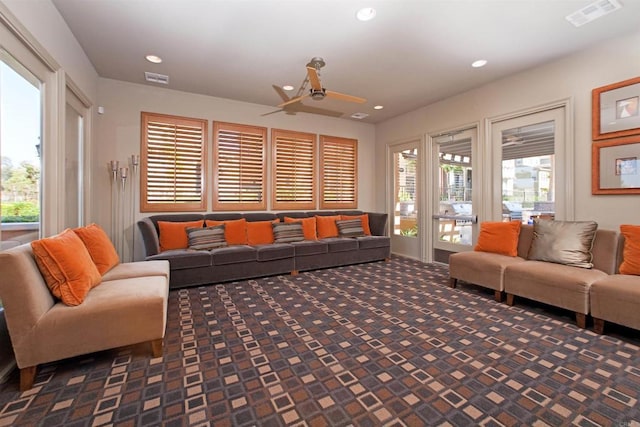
615 166
616 110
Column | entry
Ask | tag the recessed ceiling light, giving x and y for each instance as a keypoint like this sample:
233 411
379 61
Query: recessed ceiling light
378 107
479 63
154 58
366 14
287 87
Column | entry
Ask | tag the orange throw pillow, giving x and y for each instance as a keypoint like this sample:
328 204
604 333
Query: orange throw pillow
631 251
66 266
173 235
260 232
365 221
308 226
100 248
499 237
326 226
235 230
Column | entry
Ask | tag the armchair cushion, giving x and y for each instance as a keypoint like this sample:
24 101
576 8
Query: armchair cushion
100 248
66 266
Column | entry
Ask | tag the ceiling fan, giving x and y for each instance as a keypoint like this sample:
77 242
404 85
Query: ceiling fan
317 92
299 107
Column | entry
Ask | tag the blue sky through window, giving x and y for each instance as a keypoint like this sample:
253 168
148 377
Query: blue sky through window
19 117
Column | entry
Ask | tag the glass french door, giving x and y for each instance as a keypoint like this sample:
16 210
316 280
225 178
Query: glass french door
405 219
527 184
454 211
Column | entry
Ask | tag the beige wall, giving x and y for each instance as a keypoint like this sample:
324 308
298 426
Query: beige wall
118 134
45 23
571 77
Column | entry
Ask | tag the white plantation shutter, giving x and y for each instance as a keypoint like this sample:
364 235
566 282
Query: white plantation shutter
338 173
294 170
240 167
173 163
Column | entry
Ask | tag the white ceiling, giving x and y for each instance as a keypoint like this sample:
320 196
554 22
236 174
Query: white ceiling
415 52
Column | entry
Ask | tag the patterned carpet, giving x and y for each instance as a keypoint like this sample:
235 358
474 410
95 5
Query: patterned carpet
384 343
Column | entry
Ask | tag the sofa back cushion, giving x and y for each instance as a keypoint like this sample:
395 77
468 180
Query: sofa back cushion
364 218
235 230
287 232
563 242
66 266
173 235
326 226
100 248
631 250
308 226
260 232
499 237
205 238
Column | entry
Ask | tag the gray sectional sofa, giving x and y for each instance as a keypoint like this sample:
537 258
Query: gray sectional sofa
237 262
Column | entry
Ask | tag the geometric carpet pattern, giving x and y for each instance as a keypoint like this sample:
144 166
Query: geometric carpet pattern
378 344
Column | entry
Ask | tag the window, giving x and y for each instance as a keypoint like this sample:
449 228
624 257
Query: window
173 163
294 159
239 167
20 147
338 172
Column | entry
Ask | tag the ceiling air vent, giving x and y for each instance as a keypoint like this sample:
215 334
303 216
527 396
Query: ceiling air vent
156 78
359 116
592 11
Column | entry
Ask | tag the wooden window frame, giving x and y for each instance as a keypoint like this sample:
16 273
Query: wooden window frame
253 131
175 206
328 143
288 150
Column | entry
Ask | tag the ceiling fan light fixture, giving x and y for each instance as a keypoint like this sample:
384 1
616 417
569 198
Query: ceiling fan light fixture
288 87
366 14
318 95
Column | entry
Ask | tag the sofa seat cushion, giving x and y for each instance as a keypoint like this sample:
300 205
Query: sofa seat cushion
555 284
615 299
481 268
234 254
129 270
310 247
341 244
184 258
371 242
274 251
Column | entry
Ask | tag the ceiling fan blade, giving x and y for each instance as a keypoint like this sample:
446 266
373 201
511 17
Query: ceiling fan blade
272 112
344 97
315 110
292 100
281 92
313 78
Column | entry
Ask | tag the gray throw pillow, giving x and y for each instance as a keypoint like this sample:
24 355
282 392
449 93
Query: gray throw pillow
287 232
206 238
563 242
350 228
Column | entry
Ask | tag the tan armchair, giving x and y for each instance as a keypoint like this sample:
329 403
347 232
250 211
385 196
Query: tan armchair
128 307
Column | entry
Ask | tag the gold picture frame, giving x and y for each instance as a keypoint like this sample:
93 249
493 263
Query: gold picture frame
615 110
615 166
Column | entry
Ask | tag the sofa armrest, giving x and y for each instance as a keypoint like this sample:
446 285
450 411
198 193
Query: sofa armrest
378 223
149 237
